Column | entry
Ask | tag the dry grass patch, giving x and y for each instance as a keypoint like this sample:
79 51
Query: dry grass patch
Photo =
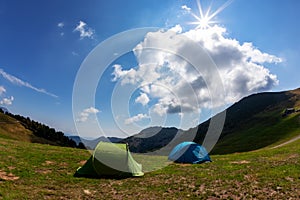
240 162
8 176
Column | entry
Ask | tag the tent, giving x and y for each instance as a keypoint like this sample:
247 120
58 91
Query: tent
189 152
110 160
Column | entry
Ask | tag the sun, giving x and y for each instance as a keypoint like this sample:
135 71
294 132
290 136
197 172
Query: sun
204 21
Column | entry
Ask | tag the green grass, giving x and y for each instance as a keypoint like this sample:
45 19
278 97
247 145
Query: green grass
46 172
265 129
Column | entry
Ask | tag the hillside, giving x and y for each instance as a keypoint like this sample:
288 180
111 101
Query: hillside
35 171
10 128
257 121
254 122
19 128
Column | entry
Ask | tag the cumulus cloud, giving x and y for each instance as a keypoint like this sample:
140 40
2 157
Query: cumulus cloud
178 87
127 76
7 101
136 118
85 114
19 82
84 30
142 99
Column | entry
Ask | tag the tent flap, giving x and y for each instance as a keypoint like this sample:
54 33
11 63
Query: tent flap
87 170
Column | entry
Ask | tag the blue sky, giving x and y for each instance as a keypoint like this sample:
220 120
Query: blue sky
44 43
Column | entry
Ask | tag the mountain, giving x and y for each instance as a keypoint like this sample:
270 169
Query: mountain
254 122
257 121
10 128
151 139
76 139
17 127
91 144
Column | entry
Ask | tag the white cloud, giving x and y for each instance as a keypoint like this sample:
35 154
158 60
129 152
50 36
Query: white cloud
127 76
2 90
60 24
142 99
84 115
178 87
84 30
7 101
186 8
91 110
75 53
176 29
241 66
257 56
136 118
19 82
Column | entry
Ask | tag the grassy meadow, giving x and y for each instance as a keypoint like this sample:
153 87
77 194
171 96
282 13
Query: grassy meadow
37 171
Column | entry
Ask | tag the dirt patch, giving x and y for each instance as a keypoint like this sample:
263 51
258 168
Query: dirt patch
183 164
11 167
63 164
240 162
7 176
48 162
11 157
288 142
87 192
82 162
293 156
43 171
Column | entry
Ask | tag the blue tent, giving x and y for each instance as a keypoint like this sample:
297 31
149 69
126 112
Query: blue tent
189 152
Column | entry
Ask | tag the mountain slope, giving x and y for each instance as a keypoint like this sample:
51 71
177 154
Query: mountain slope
254 122
10 128
9 125
19 128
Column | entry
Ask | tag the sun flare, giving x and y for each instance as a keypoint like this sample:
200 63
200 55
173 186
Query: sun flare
204 21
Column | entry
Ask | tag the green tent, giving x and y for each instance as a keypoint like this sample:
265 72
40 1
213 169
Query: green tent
110 159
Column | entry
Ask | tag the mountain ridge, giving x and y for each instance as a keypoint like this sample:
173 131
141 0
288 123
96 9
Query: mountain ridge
92 143
254 122
17 127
